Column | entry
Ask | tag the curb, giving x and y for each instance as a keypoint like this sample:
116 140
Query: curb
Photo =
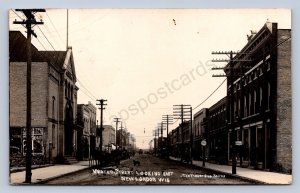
58 176
33 168
257 182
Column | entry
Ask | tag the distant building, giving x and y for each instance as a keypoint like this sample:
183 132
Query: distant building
54 100
181 139
86 121
123 138
259 100
199 132
109 137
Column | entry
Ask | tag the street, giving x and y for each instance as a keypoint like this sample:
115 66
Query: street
152 170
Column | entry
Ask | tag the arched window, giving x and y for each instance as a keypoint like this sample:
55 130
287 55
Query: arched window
66 88
71 92
53 107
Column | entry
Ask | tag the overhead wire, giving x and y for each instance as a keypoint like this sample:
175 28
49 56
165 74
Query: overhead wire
46 38
54 27
210 94
85 90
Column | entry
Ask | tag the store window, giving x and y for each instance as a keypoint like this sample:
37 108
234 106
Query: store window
269 95
37 141
53 136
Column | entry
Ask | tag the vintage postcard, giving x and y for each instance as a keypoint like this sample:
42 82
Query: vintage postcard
150 96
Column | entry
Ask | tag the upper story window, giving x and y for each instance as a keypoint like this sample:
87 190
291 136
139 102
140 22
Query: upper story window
260 96
254 101
245 106
254 74
260 70
268 65
250 104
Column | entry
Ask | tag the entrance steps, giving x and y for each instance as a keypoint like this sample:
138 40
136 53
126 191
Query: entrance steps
70 160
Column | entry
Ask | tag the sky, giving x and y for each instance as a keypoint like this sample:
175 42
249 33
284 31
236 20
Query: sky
144 61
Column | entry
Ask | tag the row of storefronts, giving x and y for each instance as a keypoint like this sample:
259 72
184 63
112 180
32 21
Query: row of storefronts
253 122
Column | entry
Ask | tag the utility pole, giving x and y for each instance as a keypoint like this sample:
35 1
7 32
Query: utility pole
162 138
101 104
155 140
168 119
182 112
191 134
121 135
117 120
230 73
29 23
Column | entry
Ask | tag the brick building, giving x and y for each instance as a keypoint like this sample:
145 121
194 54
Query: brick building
54 100
199 132
180 140
216 133
259 100
86 121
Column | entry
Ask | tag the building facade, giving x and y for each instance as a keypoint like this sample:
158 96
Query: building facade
199 132
216 133
54 100
86 121
109 138
180 140
259 100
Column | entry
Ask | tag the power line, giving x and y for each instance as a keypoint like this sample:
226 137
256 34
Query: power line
54 27
90 95
86 94
46 38
41 43
52 35
86 88
210 94
17 14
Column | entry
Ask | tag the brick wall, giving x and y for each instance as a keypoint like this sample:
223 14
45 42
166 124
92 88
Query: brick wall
53 114
17 94
284 103
39 101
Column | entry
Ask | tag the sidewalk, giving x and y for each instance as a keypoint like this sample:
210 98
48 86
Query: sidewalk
46 173
246 173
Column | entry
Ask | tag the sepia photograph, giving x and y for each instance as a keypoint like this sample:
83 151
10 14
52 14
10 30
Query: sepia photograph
150 97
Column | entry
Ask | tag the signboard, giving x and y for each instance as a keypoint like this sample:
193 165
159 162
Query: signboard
238 143
203 142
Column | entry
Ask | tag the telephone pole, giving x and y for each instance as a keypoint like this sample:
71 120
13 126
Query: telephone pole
29 23
168 119
101 104
117 120
160 127
121 133
182 112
